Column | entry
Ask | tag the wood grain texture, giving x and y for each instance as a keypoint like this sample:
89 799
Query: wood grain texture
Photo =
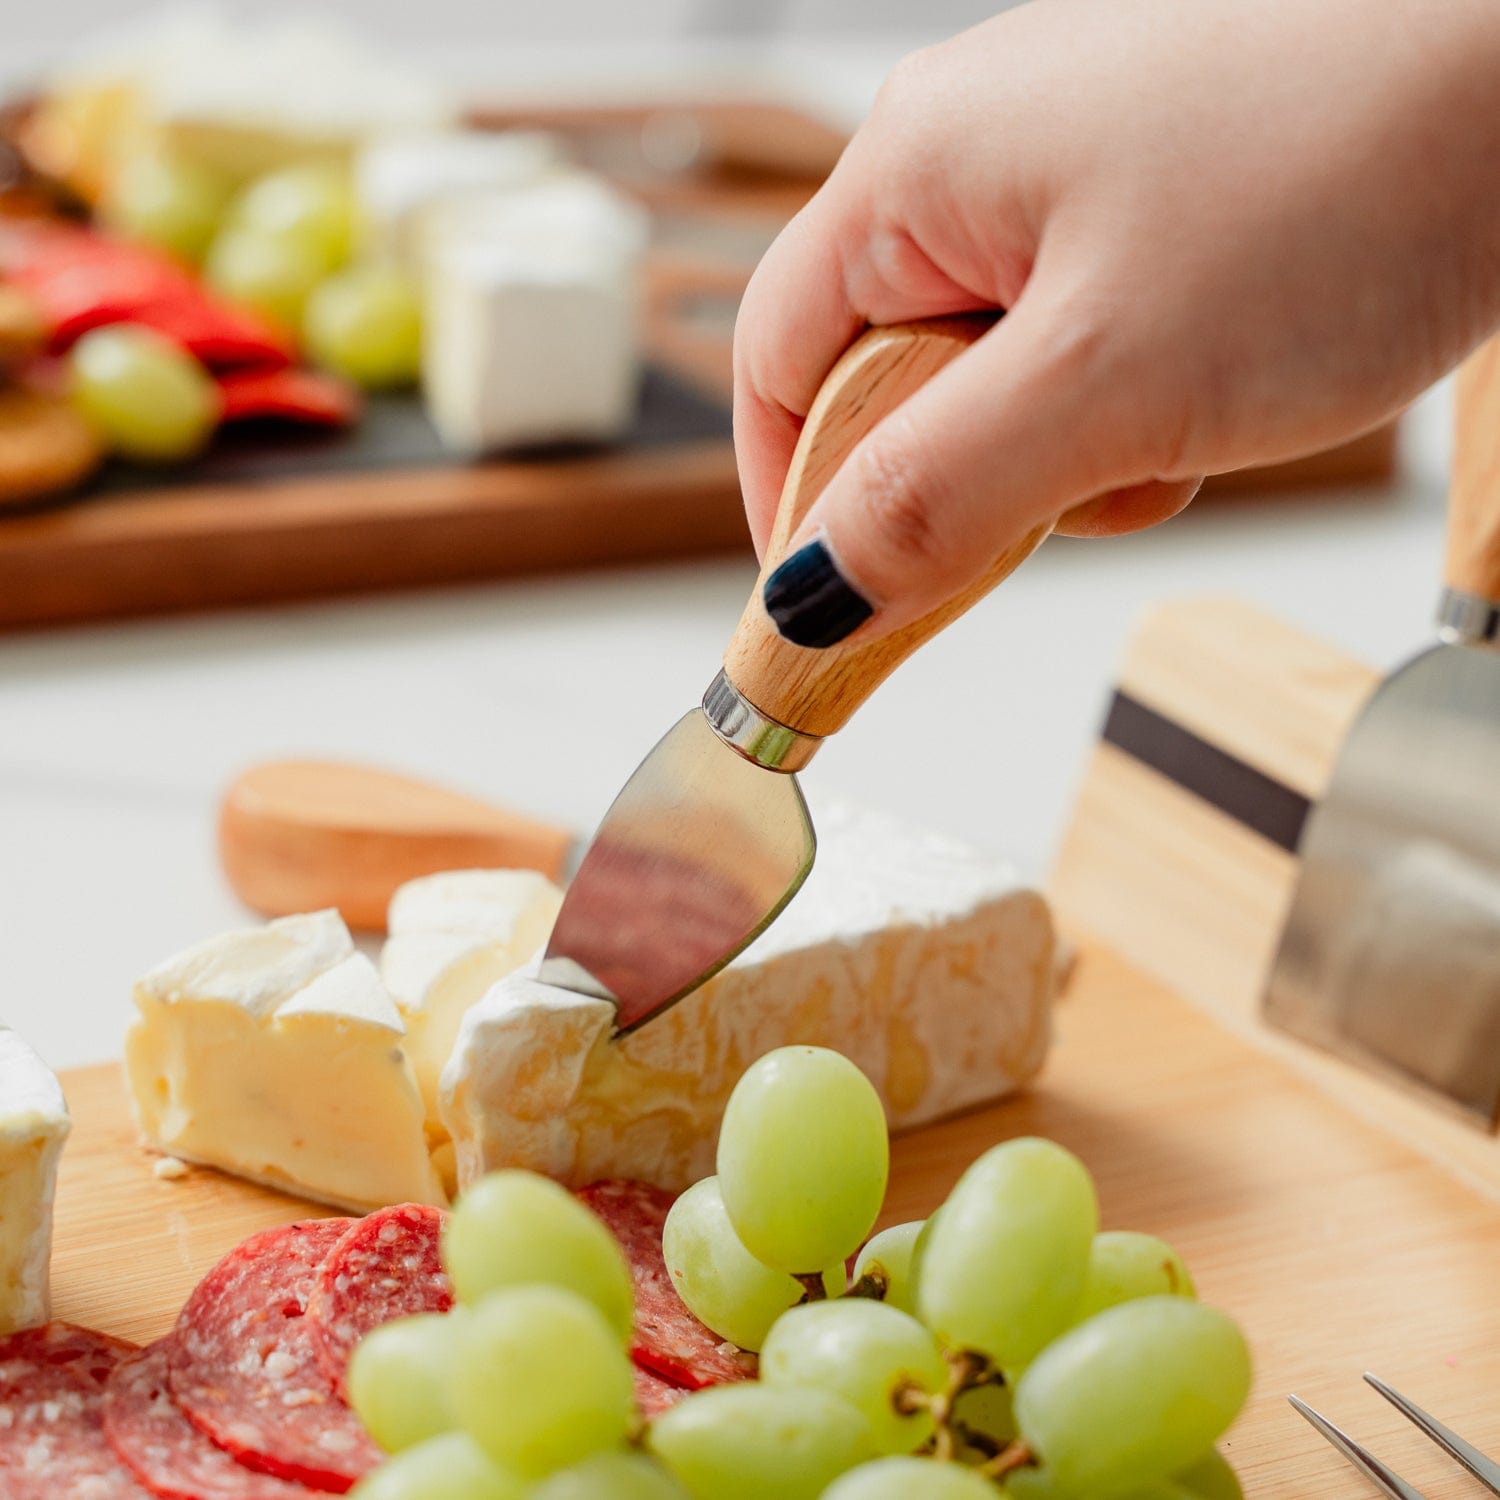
1191 895
1473 559
299 836
816 691
1339 1248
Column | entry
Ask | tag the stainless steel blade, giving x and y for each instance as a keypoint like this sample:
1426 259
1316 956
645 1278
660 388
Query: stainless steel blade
695 857
1391 953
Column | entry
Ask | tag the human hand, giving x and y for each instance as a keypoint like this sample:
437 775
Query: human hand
1225 234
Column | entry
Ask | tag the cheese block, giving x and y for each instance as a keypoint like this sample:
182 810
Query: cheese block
927 964
531 317
33 1126
398 178
452 936
277 1054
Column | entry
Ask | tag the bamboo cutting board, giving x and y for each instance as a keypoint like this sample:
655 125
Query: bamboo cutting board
1339 1248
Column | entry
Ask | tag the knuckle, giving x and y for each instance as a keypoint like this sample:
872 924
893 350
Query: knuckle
905 514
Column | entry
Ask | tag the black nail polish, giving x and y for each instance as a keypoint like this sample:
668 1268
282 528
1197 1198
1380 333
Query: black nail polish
811 602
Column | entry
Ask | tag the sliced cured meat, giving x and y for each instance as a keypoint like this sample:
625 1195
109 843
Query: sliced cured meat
152 1438
653 1394
52 1441
388 1265
241 1363
306 396
669 1340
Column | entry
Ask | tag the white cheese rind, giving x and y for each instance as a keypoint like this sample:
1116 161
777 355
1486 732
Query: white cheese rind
277 1054
452 937
33 1127
532 310
927 964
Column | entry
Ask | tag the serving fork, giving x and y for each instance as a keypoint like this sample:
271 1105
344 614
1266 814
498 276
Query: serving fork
1386 1480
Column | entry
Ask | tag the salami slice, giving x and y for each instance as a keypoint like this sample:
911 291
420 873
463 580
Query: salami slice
52 1441
669 1340
241 1363
653 1394
153 1439
388 1265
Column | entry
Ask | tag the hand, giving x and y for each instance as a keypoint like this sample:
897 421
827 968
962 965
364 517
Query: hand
1225 234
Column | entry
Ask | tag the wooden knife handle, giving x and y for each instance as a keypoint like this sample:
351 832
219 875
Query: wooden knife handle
1473 560
816 691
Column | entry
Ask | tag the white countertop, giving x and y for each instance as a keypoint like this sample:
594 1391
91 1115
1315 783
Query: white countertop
114 742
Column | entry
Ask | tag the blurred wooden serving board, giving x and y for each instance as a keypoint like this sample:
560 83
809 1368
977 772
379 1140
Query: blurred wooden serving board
1339 1248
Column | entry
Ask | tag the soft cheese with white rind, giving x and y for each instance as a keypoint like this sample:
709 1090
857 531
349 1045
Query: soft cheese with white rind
277 1054
453 936
927 964
33 1126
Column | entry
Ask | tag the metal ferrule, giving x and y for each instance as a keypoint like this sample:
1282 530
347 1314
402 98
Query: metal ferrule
744 728
1468 619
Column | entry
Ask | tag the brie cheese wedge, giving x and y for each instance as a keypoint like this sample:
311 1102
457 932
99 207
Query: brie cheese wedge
452 936
927 964
277 1054
33 1126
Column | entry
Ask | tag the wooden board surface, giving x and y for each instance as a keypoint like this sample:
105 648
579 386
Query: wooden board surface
1338 1247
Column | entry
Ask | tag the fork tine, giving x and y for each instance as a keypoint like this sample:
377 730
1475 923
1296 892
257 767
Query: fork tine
1485 1470
1388 1482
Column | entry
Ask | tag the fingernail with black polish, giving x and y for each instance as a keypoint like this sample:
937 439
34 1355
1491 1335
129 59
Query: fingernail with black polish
811 602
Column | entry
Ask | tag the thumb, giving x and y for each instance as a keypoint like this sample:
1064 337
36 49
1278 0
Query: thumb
1031 421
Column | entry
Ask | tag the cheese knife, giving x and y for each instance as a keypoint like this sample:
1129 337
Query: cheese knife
711 837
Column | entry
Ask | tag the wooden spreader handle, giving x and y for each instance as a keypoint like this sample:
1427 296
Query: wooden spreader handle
1473 561
816 691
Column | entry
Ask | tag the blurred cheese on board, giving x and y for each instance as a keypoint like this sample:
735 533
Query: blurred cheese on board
927 964
452 936
397 178
33 1126
277 1054
532 314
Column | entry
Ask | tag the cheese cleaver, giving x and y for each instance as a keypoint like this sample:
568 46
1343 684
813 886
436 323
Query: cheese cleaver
710 837
1391 952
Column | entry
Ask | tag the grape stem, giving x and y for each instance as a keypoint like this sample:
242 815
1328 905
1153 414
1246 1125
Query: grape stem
813 1289
1008 1460
874 1284
967 1369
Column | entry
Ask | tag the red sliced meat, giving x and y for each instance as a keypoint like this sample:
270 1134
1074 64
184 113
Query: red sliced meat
669 1340
149 1433
293 395
388 1265
653 1395
242 1367
52 1442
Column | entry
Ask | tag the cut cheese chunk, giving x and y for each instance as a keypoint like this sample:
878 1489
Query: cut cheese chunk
927 964
277 1054
33 1126
452 936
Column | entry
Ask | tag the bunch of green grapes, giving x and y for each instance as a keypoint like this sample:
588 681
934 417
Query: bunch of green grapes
1003 1347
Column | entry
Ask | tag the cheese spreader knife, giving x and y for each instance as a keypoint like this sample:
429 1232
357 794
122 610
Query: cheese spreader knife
1391 952
710 837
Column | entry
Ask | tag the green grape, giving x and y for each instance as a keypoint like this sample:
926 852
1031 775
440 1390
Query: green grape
270 276
984 1421
449 1467
1124 1265
751 1441
149 399
311 207
867 1353
1129 1398
398 1379
366 324
720 1281
1211 1478
911 1479
173 205
1003 1267
540 1381
887 1261
611 1476
803 1158
516 1228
